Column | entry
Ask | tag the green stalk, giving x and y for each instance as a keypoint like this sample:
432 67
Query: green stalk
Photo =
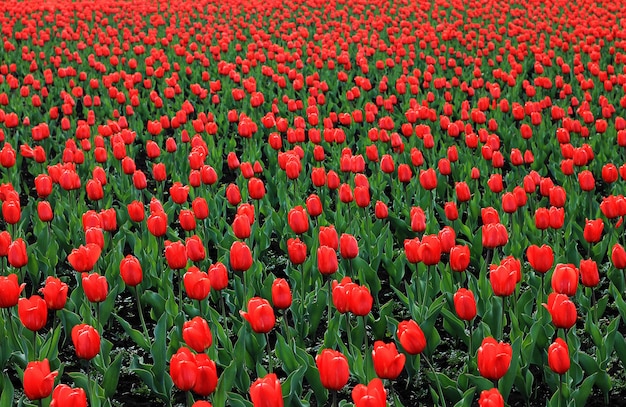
140 311
439 389
269 352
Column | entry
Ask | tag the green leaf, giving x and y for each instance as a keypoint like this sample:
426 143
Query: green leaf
112 376
581 394
134 334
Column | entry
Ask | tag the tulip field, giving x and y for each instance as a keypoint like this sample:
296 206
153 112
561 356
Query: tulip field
262 203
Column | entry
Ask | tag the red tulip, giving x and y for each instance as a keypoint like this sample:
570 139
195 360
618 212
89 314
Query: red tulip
195 248
327 260
418 219
197 335
86 341
187 219
494 235
491 398
256 188
130 271
372 395
95 286
200 208
175 255
430 250
586 180
360 300
281 294
593 230
157 223
388 363
565 279
297 251
411 337
218 276
558 356
179 192
233 196
206 378
428 179
33 312
197 284
411 250
462 192
589 275
459 258
298 220
54 293
494 358
44 211
184 369
38 380
64 396
465 304
240 256
349 247
17 255
314 205
618 256
266 392
333 368
10 291
241 226
248 210
503 279
381 211
451 211
540 258
260 315
447 239
11 211
562 310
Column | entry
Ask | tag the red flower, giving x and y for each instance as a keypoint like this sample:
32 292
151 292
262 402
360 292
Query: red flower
95 286
586 180
17 255
388 363
459 258
175 254
411 250
233 196
327 260
349 247
200 208
195 248
465 304
241 226
593 230
359 300
281 293
411 337
240 256
298 220
540 258
10 291
494 358
197 335
130 270
462 192
187 219
260 315
558 356
33 312
562 310
494 235
38 380
381 211
44 211
184 369
428 179
418 219
54 293
333 368
328 237
197 284
589 275
218 276
206 378
11 211
63 395
256 188
179 192
503 279
491 398
157 223
86 340
565 279
430 250
372 395
266 392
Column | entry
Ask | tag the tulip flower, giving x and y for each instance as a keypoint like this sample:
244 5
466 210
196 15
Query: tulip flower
85 257
206 375
266 392
86 341
388 363
298 220
411 337
63 396
297 251
465 304
240 256
54 293
197 335
593 230
10 290
494 358
260 315
491 398
459 258
33 313
589 275
618 256
38 380
562 310
95 286
349 247
372 395
327 260
17 255
540 258
130 271
558 356
183 369
565 279
241 226
328 237
197 284
218 276
333 368
503 280
281 294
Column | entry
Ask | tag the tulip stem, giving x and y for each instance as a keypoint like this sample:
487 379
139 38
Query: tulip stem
34 345
442 401
334 398
561 396
223 307
269 352
367 352
503 318
140 311
330 299
190 399
348 331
